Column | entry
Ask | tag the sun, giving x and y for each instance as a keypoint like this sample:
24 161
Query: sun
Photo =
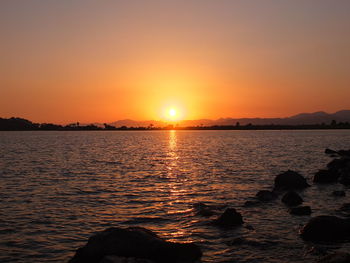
172 114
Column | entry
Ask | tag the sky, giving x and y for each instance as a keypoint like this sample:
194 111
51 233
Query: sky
101 61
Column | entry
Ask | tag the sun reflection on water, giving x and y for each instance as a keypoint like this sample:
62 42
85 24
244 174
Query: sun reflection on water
176 186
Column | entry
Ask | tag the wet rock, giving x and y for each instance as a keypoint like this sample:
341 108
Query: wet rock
203 209
345 176
345 208
236 241
326 228
134 242
291 198
300 210
337 257
316 250
338 164
326 176
329 151
251 203
265 195
345 153
338 193
229 218
290 180
116 259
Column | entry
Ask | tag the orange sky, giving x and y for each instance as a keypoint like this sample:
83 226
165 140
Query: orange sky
100 61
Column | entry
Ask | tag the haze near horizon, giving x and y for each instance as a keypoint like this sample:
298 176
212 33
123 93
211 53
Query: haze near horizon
101 61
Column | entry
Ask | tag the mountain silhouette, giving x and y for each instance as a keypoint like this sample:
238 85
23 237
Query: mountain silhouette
318 117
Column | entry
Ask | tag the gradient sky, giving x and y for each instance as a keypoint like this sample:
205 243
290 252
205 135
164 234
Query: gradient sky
100 61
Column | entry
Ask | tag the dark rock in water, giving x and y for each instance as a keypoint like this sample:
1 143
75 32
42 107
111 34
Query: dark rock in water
326 228
265 195
251 203
345 153
326 176
290 180
345 176
300 210
337 257
338 164
229 218
338 193
237 241
134 242
329 151
291 198
203 209
116 259
345 208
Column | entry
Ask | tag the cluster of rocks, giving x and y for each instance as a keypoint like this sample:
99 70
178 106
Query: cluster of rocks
286 184
338 170
140 245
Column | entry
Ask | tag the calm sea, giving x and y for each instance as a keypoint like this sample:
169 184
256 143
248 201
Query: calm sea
58 188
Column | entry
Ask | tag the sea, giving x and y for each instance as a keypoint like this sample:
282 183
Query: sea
58 188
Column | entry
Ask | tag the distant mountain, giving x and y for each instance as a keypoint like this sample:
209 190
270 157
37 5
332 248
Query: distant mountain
299 119
340 119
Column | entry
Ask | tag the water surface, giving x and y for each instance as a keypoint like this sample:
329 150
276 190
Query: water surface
58 188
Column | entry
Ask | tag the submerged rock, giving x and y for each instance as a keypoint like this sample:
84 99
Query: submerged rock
337 257
229 218
290 180
345 153
326 228
291 198
339 193
203 209
326 176
134 242
300 210
330 151
116 259
265 195
338 164
345 176
251 203
345 208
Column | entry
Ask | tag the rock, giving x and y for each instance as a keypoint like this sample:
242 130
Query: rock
338 193
290 180
229 218
345 208
338 164
265 195
345 176
236 241
116 259
291 198
203 209
329 151
326 176
134 242
251 203
345 153
300 210
326 228
337 257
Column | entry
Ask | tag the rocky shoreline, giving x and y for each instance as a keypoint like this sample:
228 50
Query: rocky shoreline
140 245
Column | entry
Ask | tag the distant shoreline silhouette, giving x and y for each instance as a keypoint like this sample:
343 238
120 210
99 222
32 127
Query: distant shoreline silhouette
20 124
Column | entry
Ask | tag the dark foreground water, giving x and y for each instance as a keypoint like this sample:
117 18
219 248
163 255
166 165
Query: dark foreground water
57 188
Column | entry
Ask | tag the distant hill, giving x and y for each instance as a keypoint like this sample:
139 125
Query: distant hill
299 119
316 120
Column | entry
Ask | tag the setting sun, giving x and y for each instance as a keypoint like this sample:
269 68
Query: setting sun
172 114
